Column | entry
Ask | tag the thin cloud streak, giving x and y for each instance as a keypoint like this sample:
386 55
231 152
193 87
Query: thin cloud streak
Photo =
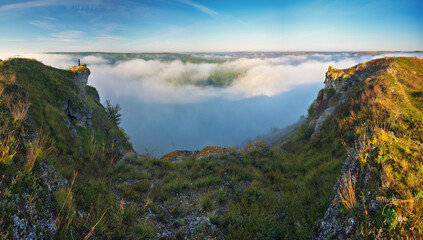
201 8
64 36
42 24
47 3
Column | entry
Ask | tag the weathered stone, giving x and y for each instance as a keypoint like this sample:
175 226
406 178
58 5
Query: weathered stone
81 79
78 111
323 117
35 219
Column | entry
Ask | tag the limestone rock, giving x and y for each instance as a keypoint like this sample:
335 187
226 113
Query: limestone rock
81 78
179 156
35 219
78 111
323 117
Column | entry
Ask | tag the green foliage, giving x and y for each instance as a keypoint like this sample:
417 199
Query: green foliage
222 79
310 110
207 203
391 217
113 112
305 131
144 230
330 92
67 209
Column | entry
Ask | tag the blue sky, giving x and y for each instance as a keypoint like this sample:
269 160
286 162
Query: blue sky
203 25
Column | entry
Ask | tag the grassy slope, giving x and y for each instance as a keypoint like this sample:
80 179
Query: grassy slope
88 157
386 115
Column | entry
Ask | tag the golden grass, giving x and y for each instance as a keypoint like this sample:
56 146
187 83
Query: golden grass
7 147
8 78
37 149
346 191
19 110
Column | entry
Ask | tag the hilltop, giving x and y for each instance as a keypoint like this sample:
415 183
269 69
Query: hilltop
352 169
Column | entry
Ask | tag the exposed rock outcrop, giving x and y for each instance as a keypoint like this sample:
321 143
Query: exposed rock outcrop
179 155
338 83
81 78
78 111
35 218
209 151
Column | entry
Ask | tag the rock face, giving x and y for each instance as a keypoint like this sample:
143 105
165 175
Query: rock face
81 78
338 83
75 108
35 218
323 117
329 225
78 111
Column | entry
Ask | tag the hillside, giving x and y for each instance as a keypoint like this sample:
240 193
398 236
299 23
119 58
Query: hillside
353 169
57 143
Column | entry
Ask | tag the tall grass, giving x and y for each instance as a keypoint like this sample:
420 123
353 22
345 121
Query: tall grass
346 191
20 110
37 150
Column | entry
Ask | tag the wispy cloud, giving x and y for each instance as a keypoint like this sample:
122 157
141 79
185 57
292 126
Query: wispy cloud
65 36
42 24
68 34
49 3
32 4
201 8
108 38
12 40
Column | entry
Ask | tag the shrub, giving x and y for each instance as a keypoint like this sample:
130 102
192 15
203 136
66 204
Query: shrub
113 112
310 109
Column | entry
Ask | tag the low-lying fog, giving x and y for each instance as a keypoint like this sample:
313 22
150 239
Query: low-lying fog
164 109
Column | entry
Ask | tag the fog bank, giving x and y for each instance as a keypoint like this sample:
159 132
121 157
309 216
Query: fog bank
165 108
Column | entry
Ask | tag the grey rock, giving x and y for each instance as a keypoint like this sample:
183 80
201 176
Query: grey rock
323 117
78 111
81 80
70 126
35 219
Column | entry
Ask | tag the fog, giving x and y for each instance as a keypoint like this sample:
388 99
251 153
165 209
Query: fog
165 109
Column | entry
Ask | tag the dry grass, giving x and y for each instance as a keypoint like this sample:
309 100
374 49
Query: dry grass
8 78
7 146
68 202
346 191
95 225
18 107
7 100
19 110
37 149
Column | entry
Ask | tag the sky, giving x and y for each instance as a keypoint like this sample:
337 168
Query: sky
210 25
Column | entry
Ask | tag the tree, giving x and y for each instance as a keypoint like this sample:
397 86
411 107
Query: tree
114 112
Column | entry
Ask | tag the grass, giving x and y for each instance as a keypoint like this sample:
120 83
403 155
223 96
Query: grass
346 192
